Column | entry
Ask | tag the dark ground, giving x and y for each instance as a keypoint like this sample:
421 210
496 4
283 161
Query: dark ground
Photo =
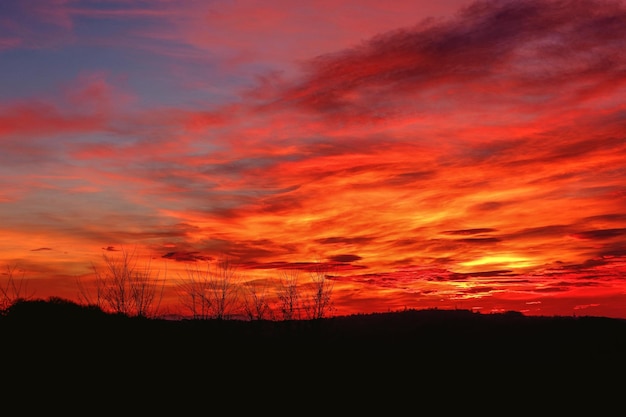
428 362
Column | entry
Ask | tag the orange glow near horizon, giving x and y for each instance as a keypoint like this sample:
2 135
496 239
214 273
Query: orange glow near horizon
451 155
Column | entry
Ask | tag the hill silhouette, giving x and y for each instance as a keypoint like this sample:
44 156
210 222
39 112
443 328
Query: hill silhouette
431 331
407 356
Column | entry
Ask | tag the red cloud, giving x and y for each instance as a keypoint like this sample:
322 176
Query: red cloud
36 118
523 55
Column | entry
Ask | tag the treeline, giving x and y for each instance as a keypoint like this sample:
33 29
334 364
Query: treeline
428 329
123 284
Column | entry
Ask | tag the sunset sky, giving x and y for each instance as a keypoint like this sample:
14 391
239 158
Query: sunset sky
448 154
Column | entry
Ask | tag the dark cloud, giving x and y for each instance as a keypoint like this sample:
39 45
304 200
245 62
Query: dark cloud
478 290
587 265
557 177
556 230
482 274
496 151
282 203
575 148
386 174
479 240
618 250
152 234
469 231
249 252
40 249
600 234
607 217
278 265
187 256
551 289
529 51
345 258
560 145
360 240
489 206
325 267
406 242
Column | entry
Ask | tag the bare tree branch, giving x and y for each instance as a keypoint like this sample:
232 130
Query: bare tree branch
288 294
317 302
123 286
256 301
213 292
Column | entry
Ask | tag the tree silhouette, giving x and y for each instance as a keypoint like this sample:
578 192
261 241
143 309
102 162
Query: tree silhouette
305 300
256 301
288 294
124 286
212 292
317 302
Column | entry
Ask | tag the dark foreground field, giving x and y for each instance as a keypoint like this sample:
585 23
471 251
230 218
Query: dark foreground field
377 363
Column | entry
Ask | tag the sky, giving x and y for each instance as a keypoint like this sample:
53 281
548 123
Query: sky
449 154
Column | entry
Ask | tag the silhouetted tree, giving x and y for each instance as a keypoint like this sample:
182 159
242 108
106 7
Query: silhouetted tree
193 292
299 299
212 292
124 286
317 301
288 294
256 301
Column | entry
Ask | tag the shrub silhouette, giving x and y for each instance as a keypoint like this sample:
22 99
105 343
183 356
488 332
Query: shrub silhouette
53 309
